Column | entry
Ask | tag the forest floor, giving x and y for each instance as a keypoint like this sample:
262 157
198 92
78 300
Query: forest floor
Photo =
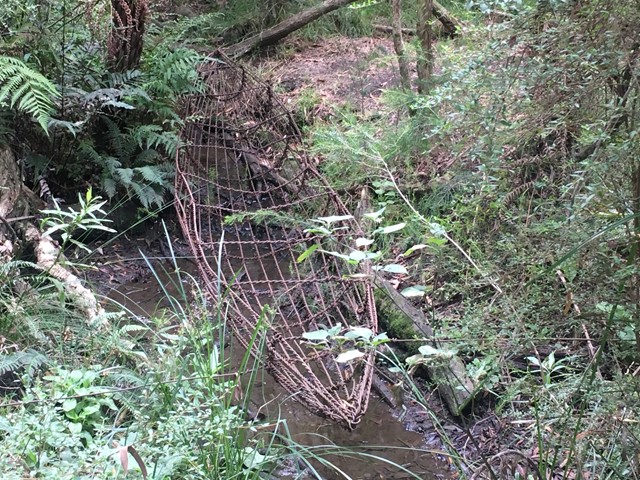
336 72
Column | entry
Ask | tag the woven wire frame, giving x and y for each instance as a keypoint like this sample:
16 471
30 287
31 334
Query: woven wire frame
243 161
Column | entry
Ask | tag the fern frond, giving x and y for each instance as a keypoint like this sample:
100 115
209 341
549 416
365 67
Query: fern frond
27 90
29 360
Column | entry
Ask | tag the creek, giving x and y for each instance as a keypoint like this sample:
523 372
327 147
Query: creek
380 433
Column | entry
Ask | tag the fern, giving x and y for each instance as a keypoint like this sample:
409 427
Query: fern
29 361
26 90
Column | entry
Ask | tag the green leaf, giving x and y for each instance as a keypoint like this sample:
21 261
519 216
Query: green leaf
318 230
304 255
436 229
349 355
420 246
380 338
374 215
316 335
69 404
428 350
359 332
395 268
363 242
391 228
75 428
334 219
414 291
358 256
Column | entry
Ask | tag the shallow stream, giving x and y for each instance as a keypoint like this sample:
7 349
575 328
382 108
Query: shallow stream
380 433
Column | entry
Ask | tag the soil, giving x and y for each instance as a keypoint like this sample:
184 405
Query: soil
336 72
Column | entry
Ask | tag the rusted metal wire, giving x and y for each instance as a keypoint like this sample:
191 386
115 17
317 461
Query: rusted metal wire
243 162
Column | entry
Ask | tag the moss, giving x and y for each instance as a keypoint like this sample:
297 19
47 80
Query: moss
396 324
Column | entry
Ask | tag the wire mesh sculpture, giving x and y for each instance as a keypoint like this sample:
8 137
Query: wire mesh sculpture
243 188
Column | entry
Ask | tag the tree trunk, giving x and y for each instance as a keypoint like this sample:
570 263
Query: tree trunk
425 56
127 29
281 30
399 46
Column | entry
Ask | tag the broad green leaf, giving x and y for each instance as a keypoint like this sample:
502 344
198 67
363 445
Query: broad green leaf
253 459
75 427
334 219
363 242
374 215
437 230
428 350
359 332
413 359
358 255
380 338
89 410
349 355
420 246
304 255
335 330
395 268
318 230
69 404
315 335
414 291
436 241
391 228
339 255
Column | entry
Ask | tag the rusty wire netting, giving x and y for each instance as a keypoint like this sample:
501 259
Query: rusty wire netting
244 191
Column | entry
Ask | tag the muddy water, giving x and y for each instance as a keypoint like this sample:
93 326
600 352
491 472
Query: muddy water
380 433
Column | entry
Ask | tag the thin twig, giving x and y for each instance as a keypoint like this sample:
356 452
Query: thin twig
576 308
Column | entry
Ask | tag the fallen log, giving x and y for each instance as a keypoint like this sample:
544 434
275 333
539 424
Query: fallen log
278 32
454 385
17 205
451 24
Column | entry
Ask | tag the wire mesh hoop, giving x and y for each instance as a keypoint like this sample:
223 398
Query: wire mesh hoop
243 187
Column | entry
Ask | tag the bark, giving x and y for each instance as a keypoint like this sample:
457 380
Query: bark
425 56
450 24
17 206
127 30
399 46
278 32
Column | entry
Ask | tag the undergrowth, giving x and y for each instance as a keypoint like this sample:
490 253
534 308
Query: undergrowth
523 152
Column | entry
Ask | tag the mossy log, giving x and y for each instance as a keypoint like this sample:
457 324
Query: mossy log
454 385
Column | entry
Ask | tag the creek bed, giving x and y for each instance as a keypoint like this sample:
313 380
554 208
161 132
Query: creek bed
380 433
